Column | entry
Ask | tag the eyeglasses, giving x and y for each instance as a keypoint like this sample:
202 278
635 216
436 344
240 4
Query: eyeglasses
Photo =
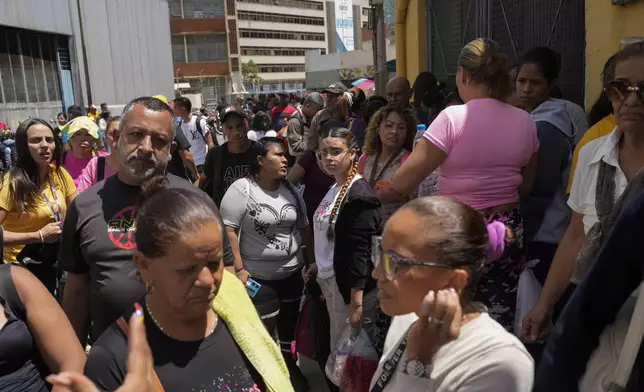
620 90
391 260
333 152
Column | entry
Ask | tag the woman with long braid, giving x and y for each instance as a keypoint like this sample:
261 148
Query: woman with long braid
344 222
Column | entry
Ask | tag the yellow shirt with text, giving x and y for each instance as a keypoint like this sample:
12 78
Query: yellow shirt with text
41 215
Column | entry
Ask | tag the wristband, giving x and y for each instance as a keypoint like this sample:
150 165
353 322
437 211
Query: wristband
238 270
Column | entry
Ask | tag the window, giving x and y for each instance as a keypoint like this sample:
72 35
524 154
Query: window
365 25
271 68
290 35
178 49
279 18
28 67
196 9
252 51
365 11
303 4
210 47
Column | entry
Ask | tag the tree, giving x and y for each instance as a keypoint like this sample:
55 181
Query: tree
250 72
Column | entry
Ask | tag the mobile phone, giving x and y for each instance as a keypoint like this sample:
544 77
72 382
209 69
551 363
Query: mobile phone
252 287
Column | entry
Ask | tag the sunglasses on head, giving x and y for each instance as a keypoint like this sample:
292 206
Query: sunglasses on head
620 90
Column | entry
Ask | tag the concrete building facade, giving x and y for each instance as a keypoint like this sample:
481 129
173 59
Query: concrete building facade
55 53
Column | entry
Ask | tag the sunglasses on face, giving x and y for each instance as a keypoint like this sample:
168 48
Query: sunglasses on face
391 260
620 90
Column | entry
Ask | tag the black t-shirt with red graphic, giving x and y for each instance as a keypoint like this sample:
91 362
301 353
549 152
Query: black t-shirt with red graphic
98 240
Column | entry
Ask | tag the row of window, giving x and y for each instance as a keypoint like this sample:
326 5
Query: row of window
28 67
252 51
272 34
270 68
196 9
303 4
196 48
280 18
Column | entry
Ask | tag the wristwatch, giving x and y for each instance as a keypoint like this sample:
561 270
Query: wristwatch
416 368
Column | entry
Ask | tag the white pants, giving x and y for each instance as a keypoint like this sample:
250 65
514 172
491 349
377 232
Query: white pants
339 311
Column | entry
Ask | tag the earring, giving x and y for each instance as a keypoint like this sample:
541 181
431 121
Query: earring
148 287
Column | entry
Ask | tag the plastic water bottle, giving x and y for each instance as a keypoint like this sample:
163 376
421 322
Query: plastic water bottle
420 130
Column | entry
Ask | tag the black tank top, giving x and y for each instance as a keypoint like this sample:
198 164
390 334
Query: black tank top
18 356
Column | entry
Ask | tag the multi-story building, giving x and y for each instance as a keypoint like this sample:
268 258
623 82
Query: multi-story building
56 53
202 63
275 35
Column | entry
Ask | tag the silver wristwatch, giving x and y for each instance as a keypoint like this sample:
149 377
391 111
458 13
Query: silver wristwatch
416 368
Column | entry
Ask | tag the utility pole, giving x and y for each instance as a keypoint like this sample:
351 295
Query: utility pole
377 24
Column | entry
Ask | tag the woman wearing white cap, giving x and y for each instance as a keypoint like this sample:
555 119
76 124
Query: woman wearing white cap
82 135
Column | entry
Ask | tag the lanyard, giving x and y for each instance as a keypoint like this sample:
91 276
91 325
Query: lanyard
373 178
57 211
389 367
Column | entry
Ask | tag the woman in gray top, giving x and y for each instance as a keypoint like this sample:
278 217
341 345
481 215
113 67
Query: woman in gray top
266 222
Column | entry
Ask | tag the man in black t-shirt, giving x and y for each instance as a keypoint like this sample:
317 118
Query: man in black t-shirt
231 161
98 240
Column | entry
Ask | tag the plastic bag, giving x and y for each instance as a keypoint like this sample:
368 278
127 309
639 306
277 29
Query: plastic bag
527 295
354 361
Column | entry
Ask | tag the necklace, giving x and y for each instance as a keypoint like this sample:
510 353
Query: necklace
158 324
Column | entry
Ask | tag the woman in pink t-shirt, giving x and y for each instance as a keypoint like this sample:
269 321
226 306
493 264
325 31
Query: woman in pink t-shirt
82 135
486 150
101 167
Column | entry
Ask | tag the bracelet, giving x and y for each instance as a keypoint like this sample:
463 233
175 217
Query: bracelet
42 239
238 270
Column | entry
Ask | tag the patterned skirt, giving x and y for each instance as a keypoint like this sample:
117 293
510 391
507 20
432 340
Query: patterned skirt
498 286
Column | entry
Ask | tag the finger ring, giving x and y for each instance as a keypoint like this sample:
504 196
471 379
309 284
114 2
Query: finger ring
436 321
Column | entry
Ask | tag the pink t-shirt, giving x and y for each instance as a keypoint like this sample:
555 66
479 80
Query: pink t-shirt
89 176
75 165
487 143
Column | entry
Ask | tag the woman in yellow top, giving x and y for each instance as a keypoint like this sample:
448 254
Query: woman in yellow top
34 197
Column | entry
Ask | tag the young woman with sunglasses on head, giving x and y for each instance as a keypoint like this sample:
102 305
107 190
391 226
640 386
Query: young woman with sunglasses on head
345 221
266 222
604 169
428 262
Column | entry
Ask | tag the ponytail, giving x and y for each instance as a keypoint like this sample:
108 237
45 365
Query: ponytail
330 234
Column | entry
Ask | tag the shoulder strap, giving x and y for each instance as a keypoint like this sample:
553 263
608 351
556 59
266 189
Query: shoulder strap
64 156
404 157
632 343
605 189
361 162
218 174
126 330
199 129
100 169
10 294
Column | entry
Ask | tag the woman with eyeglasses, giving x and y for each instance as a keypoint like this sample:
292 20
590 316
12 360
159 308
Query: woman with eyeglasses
604 169
344 222
428 262
266 222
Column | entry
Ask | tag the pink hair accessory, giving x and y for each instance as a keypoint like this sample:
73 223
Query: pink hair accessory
496 241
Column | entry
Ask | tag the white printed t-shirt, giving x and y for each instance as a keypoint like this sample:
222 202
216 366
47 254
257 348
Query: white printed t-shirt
198 145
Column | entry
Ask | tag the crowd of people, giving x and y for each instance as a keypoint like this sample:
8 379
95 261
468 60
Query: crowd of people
159 250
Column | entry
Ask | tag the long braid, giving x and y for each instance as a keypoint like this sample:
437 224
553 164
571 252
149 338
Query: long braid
330 234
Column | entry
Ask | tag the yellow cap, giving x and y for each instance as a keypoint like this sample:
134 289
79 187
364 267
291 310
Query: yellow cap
161 98
82 123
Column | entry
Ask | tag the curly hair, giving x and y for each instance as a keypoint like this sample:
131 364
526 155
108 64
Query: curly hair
372 143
